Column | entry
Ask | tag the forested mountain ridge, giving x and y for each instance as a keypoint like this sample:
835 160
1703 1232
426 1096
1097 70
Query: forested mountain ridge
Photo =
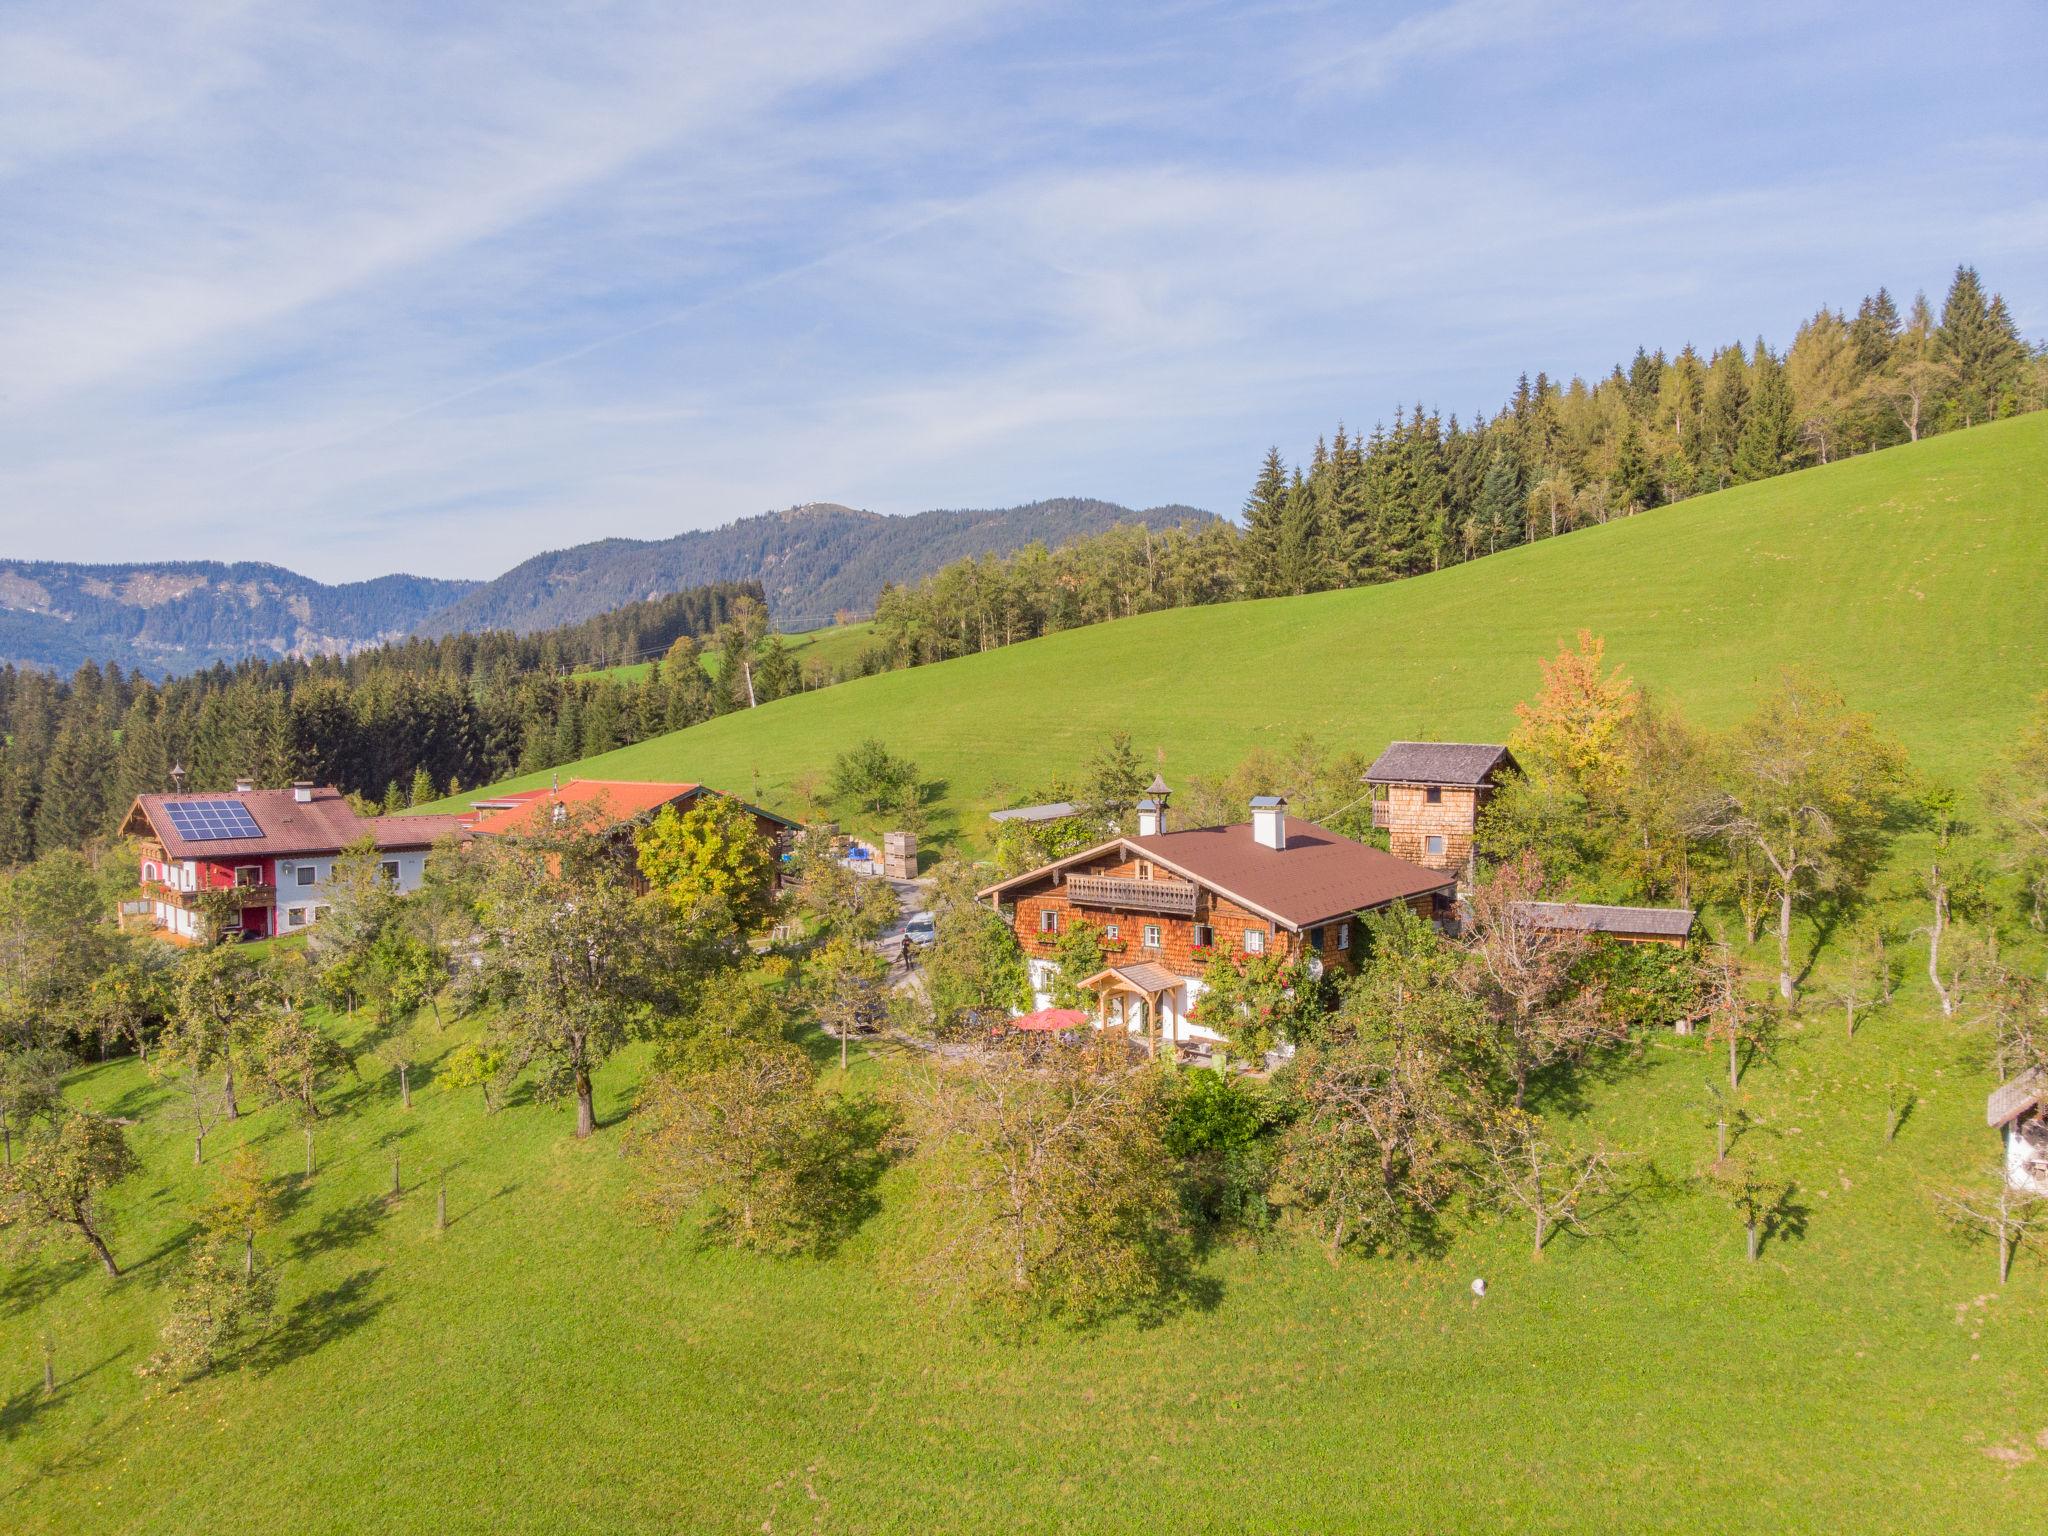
814 561
181 616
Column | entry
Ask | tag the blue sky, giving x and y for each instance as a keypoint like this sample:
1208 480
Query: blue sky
359 288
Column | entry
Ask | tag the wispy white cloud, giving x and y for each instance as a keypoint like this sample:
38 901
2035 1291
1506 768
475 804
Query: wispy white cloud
356 290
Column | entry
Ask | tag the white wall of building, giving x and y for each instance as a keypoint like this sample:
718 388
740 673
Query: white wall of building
302 884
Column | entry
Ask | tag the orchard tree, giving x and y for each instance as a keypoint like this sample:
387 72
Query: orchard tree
575 962
1532 980
1761 1196
1993 1208
843 982
770 1162
241 1204
974 972
221 996
2016 791
58 1185
296 1062
1051 1188
1953 884
1391 1100
1814 790
31 1082
870 775
714 852
1554 1182
837 903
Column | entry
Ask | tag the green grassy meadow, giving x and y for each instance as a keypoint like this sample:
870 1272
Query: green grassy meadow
834 646
1910 578
547 1364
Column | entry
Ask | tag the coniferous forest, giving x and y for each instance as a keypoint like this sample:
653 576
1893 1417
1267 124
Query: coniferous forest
409 722
1429 491
396 725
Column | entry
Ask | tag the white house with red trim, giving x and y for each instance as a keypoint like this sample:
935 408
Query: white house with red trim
274 848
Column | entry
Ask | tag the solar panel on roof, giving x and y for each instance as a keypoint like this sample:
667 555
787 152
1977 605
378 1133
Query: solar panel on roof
211 821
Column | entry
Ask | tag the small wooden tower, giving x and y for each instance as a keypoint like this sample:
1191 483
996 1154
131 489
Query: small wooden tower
1427 795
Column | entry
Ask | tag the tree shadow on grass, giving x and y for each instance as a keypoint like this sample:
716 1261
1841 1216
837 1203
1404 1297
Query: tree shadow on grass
1785 1221
343 1227
32 1284
18 1412
456 1218
320 1319
176 1242
138 1101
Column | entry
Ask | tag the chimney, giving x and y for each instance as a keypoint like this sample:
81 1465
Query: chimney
1269 821
244 786
302 791
1152 809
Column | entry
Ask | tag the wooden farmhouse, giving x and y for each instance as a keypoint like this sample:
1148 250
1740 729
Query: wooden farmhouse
1166 901
272 850
1427 796
2014 1110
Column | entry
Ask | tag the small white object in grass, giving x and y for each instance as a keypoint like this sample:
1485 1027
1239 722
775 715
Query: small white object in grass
1479 1286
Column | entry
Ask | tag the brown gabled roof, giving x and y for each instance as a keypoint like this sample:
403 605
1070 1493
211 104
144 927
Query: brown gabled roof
1318 876
2008 1101
1464 763
326 823
1580 917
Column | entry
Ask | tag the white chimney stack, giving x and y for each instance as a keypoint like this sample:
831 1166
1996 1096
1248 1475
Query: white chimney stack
1152 809
1269 821
302 791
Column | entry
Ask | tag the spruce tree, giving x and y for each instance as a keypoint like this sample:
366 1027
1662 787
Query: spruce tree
1769 432
1264 511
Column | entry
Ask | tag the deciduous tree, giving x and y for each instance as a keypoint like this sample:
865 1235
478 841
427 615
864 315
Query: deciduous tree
58 1185
1813 789
773 1163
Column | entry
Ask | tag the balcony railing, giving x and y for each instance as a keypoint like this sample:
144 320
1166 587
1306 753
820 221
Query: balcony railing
1174 898
246 895
1382 815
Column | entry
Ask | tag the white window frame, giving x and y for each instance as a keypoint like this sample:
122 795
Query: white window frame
1434 843
1255 941
306 874
1048 920
389 869
1109 930
1343 935
295 917
1154 936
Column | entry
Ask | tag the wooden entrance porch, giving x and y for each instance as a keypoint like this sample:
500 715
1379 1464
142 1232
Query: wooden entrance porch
1142 999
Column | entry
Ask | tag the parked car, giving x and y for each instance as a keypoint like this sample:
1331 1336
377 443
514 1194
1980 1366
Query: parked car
920 929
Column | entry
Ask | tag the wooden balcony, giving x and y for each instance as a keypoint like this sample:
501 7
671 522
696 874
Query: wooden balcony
1173 898
248 895
1382 815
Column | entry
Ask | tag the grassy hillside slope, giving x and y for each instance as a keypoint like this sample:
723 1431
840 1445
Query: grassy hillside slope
548 1365
1911 578
836 645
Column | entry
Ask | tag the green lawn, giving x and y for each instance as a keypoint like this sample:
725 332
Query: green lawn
1911 578
551 1362
547 1365
835 646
